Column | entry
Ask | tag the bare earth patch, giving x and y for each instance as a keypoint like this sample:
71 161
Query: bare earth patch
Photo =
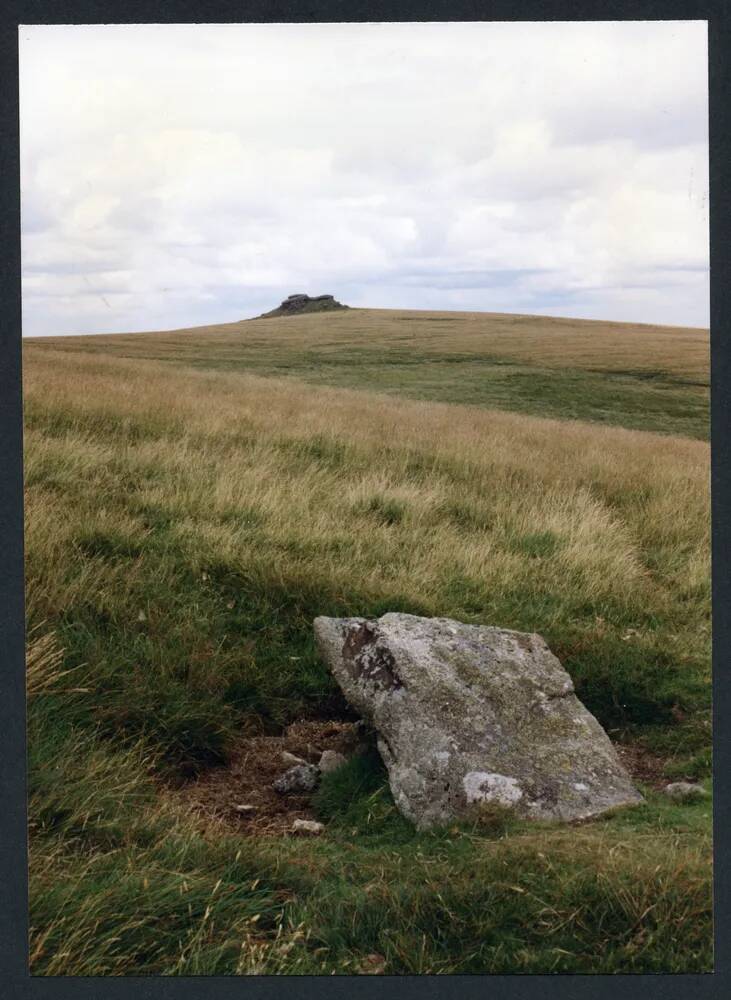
254 765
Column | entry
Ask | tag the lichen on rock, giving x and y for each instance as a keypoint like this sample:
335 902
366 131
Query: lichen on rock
468 715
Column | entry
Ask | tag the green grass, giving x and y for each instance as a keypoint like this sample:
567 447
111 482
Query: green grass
662 403
121 885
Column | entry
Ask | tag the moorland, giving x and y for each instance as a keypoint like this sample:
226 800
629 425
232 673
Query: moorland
195 498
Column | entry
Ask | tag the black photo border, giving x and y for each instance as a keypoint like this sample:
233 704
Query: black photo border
15 981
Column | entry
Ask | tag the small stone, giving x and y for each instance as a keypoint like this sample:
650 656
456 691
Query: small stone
685 791
373 965
291 758
301 778
244 808
310 826
331 760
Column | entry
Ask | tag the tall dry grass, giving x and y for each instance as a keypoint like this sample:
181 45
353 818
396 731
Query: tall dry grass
625 514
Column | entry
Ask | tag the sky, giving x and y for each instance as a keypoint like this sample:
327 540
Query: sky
177 175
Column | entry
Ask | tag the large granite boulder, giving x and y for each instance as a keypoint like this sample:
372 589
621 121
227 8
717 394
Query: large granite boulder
467 715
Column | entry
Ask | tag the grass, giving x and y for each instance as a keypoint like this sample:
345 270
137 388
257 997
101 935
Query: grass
186 523
635 376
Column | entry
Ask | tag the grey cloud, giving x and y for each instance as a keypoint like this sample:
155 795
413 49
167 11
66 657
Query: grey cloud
455 166
678 120
136 213
36 218
79 267
439 279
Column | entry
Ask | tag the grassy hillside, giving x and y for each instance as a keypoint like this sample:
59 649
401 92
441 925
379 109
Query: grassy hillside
185 523
637 376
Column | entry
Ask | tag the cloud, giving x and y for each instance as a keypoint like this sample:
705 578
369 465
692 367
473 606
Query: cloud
176 174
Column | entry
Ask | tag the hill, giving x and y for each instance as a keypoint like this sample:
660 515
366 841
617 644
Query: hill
195 498
632 375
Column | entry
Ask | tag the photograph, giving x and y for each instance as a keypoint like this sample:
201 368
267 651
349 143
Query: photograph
366 475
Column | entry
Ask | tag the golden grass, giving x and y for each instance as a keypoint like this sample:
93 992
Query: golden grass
43 663
608 495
